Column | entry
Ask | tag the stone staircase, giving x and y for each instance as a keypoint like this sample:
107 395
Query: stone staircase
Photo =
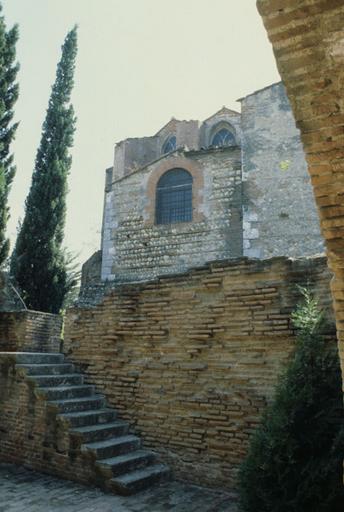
121 464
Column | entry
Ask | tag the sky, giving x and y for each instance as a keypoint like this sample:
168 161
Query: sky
139 63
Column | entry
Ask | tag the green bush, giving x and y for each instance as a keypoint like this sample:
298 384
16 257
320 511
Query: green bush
295 457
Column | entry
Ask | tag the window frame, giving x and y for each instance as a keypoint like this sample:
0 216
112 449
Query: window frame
174 197
157 170
222 125
168 142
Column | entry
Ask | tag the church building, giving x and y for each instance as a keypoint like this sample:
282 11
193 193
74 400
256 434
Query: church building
233 185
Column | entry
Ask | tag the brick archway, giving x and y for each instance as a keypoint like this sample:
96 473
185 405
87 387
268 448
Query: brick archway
308 42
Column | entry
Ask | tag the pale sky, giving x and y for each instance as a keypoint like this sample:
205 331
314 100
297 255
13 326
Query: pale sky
139 63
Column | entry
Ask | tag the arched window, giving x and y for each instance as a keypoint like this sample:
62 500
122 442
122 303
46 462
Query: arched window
174 197
169 145
223 137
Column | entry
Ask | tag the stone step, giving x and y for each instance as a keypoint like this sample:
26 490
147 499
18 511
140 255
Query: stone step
135 481
115 466
65 392
79 404
50 381
101 432
39 358
84 418
47 369
113 446
114 455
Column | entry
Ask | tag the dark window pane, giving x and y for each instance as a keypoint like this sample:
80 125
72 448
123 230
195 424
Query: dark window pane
174 197
223 138
170 145
175 177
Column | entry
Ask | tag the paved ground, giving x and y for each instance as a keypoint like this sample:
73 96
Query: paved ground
22 490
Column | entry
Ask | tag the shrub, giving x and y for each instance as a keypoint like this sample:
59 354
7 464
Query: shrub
295 457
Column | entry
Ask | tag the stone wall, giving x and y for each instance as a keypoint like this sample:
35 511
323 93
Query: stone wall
135 248
131 154
279 212
191 361
91 270
186 133
265 209
30 331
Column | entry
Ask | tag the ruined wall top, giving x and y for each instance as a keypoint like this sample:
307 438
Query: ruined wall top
134 153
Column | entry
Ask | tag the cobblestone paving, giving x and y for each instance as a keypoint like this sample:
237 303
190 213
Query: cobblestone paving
22 490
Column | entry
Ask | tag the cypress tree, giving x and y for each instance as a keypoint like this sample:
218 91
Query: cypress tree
38 263
295 458
8 96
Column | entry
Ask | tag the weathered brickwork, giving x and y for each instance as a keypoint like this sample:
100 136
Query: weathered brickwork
50 419
30 331
279 216
191 360
135 248
30 432
307 38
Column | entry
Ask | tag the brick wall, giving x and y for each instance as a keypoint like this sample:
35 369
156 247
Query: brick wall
191 360
30 331
307 38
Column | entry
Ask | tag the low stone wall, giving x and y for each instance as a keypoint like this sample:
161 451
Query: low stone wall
30 331
191 360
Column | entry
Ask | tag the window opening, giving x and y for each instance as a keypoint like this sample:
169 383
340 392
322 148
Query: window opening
223 138
170 145
174 197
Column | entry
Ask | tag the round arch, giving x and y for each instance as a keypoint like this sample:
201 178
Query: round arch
175 162
173 202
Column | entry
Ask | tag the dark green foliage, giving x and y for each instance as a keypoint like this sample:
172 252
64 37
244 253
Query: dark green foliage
8 97
295 457
38 261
